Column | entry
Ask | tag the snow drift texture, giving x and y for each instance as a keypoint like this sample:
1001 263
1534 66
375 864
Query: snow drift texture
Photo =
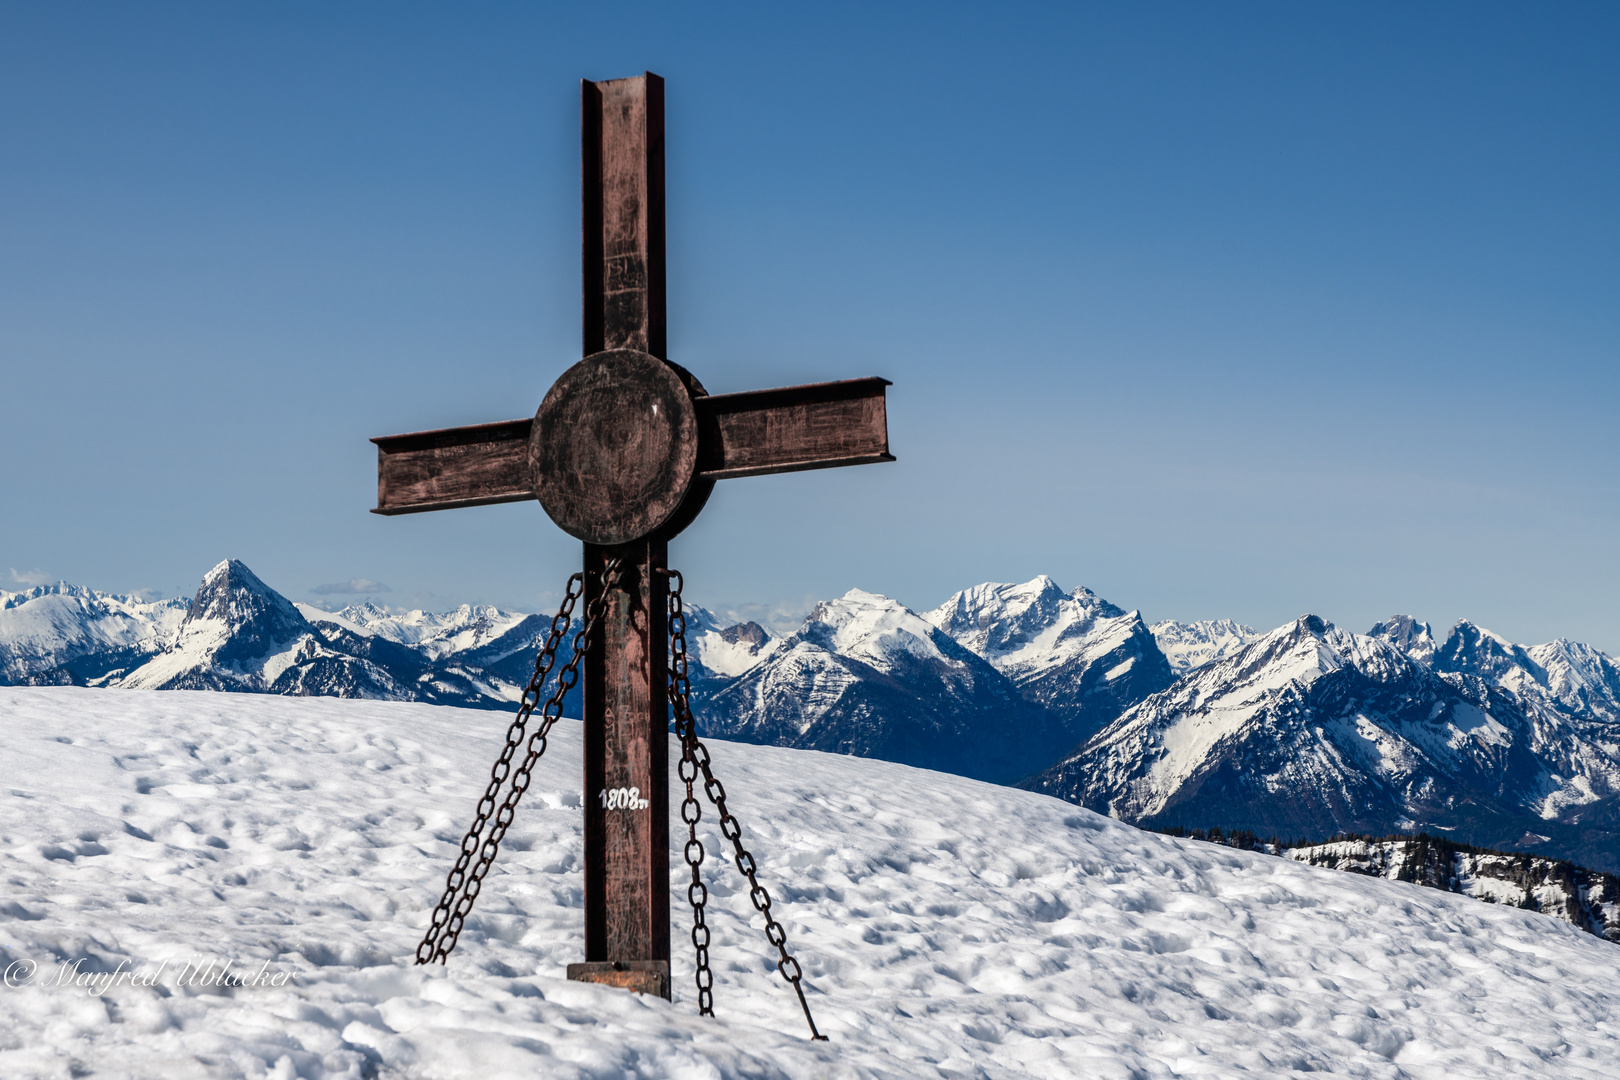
948 928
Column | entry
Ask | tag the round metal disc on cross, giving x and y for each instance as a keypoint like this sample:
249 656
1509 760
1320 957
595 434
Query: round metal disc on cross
614 447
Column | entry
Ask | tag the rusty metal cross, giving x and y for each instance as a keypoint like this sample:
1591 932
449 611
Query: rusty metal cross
622 454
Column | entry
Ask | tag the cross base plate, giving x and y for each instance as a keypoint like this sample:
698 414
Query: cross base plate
642 976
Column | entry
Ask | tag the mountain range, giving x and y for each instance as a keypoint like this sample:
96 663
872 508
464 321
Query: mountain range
1308 731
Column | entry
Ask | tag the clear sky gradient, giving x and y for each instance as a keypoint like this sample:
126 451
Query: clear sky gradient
1222 310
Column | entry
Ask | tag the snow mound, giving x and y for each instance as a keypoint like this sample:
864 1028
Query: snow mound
948 928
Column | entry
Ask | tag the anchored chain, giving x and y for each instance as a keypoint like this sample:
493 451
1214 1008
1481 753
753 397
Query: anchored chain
461 887
695 760
680 690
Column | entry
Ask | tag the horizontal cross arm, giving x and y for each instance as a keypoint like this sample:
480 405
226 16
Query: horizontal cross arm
819 426
466 466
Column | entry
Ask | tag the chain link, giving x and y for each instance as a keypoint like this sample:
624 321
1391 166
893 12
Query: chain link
697 894
461 888
695 760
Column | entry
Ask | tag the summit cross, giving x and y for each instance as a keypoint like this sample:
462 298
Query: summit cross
622 454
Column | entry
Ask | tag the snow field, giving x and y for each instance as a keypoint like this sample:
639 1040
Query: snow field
947 927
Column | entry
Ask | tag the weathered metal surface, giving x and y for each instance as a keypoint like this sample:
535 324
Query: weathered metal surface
623 454
451 467
627 760
614 447
626 686
818 426
642 976
622 212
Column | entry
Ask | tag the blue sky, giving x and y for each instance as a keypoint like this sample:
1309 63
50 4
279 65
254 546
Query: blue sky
1236 310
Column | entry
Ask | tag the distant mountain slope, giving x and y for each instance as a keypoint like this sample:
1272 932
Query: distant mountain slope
1189 645
54 626
865 675
1584 898
1074 654
1312 730
434 635
1308 730
239 634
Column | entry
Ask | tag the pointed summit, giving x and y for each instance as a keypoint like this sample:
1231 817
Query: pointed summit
865 675
248 618
1414 638
240 634
1074 654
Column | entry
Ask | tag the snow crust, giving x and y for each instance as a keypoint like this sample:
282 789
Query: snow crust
948 928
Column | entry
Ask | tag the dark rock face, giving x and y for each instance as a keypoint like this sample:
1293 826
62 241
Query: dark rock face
747 633
255 619
1589 899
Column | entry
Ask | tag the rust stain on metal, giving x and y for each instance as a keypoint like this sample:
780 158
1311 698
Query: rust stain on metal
643 977
819 426
614 447
627 749
623 454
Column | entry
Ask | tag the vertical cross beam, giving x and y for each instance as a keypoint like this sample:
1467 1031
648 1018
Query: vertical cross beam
625 685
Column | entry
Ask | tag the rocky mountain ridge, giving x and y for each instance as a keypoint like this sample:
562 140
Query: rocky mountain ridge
1313 730
1306 730
1584 898
1589 899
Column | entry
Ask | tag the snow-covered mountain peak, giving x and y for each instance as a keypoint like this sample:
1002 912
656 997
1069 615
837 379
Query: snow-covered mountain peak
1471 643
1190 645
1412 637
1029 628
48 626
234 626
1296 652
726 650
1579 676
468 627
869 627
233 595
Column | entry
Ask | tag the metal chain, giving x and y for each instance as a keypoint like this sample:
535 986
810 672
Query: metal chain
451 913
680 690
693 751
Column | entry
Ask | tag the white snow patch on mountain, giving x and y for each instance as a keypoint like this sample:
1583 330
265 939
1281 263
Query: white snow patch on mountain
1026 630
1189 645
947 928
49 625
436 634
871 628
725 648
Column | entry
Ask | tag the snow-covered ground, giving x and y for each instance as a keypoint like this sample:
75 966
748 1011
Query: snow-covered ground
947 927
